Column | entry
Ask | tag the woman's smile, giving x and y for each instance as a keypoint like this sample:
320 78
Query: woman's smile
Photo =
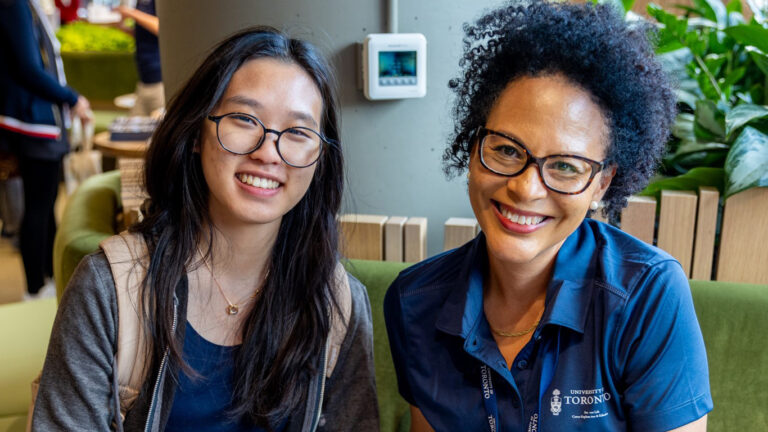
519 221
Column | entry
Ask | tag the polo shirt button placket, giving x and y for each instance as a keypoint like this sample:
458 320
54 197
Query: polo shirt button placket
522 364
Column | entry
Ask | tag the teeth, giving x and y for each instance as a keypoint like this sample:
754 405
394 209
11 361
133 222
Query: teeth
520 219
258 181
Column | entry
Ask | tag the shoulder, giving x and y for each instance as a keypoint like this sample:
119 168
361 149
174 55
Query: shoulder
444 268
629 265
92 279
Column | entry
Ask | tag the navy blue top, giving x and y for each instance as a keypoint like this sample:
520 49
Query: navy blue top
30 95
619 337
147 47
200 404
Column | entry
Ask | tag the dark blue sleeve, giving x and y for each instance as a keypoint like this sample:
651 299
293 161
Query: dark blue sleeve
397 344
660 353
17 30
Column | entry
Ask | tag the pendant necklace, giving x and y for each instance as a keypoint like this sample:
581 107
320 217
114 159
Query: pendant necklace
232 308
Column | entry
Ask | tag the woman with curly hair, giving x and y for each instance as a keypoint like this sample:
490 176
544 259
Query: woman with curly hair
244 320
549 320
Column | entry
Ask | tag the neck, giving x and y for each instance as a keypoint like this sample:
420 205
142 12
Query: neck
518 285
241 253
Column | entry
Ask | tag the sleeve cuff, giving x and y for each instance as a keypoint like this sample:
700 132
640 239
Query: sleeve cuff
675 417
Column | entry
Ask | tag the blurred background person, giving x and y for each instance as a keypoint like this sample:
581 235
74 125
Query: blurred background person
35 105
149 90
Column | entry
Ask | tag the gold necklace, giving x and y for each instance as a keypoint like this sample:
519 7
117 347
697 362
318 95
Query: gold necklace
232 308
516 334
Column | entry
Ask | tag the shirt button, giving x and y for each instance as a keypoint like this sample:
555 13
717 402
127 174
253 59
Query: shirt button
321 423
522 364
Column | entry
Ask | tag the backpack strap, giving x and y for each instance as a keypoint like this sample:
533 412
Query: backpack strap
128 259
339 318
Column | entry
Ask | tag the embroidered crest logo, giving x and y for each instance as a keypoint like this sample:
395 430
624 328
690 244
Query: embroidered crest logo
555 403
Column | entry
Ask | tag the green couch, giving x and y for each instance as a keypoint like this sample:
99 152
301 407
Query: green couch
732 318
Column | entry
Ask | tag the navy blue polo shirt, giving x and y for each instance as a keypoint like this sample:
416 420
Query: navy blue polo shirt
618 346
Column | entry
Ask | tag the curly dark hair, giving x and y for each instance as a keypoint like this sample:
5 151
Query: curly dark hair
595 49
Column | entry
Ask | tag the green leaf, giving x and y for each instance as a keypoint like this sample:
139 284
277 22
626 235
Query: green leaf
712 10
733 77
733 6
628 4
743 114
750 34
747 163
759 57
683 127
691 181
710 118
714 62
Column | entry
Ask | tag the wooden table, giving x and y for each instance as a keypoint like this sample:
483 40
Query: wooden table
119 149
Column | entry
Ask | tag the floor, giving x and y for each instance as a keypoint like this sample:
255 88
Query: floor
12 279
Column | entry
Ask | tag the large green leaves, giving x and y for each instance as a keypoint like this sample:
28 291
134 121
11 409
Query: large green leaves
689 181
750 34
747 163
742 115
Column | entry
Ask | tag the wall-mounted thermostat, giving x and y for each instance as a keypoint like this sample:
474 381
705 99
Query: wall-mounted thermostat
394 66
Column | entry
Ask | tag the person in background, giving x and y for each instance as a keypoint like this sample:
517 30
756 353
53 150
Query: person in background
548 320
67 10
35 105
150 94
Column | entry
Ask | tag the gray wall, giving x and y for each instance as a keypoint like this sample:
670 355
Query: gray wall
393 148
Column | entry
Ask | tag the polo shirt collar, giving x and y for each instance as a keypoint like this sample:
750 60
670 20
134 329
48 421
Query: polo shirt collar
567 299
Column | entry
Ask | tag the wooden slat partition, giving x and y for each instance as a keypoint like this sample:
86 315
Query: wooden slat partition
415 239
393 238
743 253
677 223
132 193
362 236
704 241
638 218
458 231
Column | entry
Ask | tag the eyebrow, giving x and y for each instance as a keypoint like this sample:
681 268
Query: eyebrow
254 104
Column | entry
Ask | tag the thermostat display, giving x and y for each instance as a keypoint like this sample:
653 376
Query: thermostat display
397 68
394 66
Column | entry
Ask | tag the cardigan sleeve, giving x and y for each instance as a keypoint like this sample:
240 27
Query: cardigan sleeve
75 391
350 399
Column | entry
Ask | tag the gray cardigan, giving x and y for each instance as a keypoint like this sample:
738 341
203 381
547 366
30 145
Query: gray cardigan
76 385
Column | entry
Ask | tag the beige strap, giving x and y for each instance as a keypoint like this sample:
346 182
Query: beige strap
339 323
128 259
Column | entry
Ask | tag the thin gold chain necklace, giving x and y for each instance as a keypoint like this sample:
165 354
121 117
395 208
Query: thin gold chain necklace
516 334
232 308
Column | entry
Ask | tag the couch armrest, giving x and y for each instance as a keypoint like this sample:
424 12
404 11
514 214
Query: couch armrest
89 217
25 329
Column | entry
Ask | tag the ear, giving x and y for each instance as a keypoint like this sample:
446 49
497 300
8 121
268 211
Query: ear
604 181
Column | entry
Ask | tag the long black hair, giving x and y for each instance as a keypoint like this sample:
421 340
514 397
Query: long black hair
285 333
595 49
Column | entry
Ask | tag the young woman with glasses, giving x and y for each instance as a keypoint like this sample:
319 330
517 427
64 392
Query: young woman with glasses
549 320
242 285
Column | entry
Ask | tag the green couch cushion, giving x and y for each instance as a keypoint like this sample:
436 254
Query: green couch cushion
377 276
26 328
89 217
733 320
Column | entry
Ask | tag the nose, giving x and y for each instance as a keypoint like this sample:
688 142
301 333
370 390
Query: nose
267 152
528 185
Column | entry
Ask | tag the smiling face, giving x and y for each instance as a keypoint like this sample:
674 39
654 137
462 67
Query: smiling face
524 222
260 188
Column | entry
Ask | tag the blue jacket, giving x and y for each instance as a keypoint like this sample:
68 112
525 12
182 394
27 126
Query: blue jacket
31 96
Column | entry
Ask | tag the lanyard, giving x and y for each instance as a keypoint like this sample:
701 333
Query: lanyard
489 398
489 395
